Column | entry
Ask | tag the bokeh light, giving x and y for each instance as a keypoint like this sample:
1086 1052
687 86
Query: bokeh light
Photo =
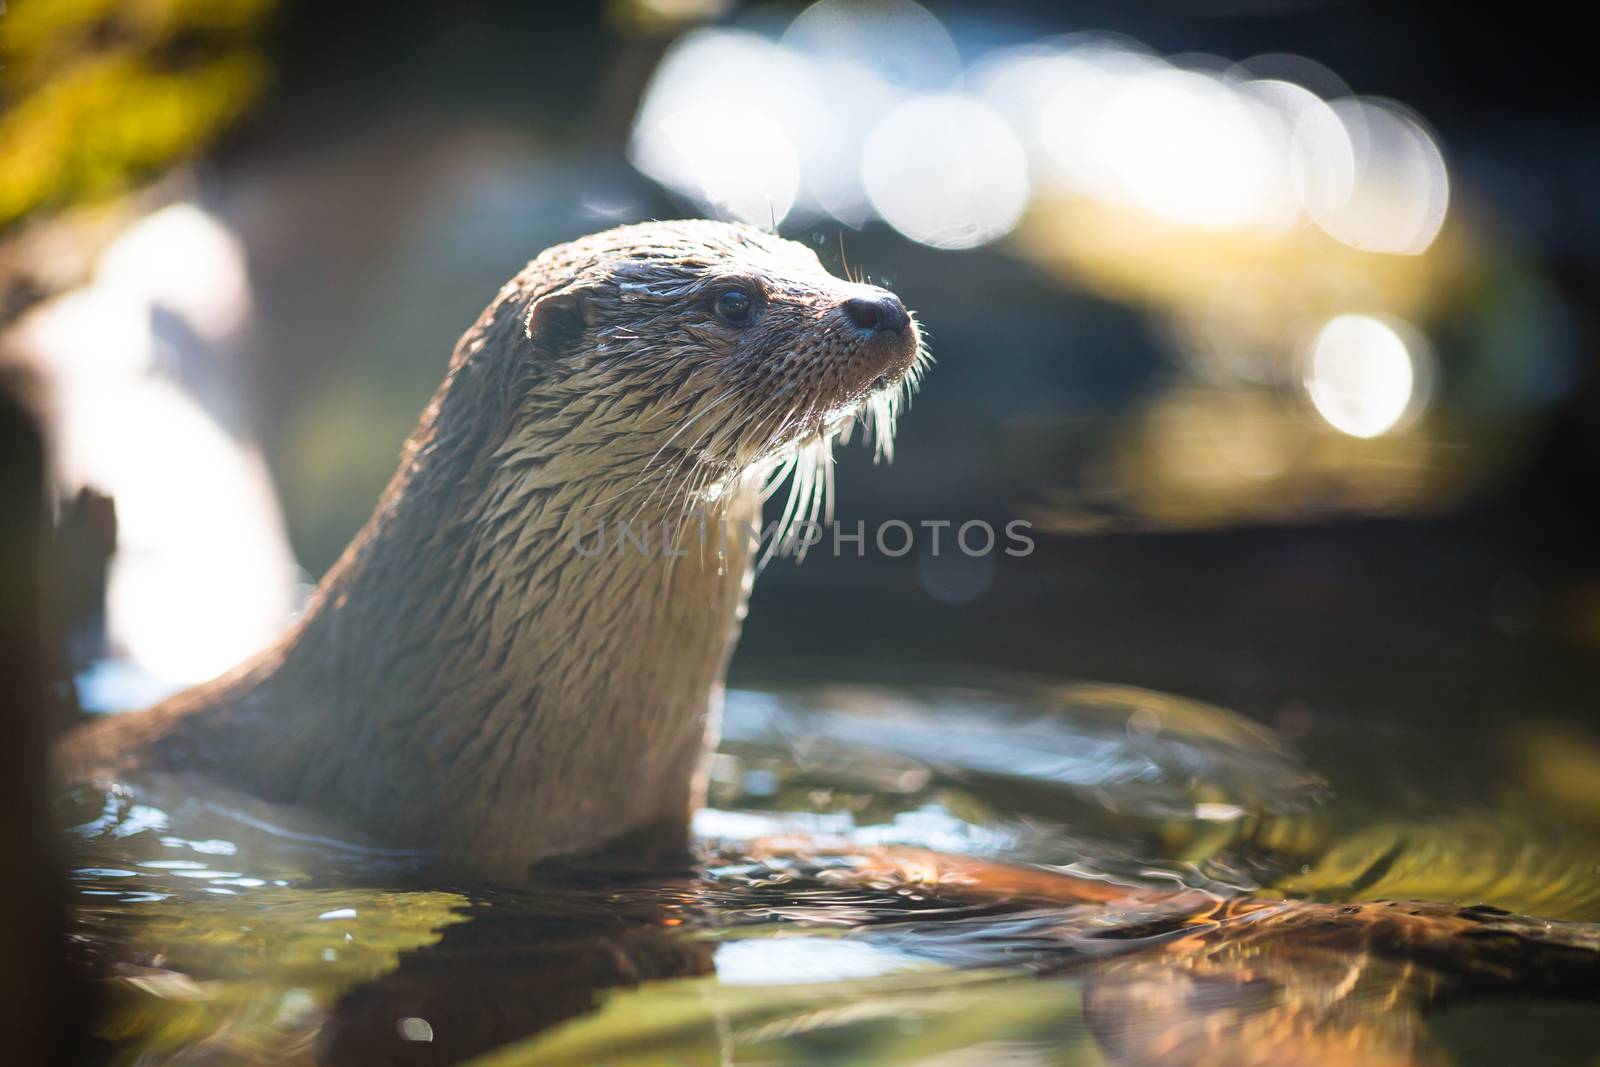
945 171
1401 190
900 43
1319 160
1184 146
856 113
862 109
716 121
1361 375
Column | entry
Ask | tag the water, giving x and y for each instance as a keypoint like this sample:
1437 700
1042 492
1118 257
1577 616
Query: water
1140 848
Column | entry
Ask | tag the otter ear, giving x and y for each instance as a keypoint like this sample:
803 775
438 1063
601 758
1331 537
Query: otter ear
556 320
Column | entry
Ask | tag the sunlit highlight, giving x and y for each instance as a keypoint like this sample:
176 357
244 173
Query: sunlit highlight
203 576
184 261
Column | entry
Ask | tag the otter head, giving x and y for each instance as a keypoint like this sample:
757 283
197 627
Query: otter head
701 352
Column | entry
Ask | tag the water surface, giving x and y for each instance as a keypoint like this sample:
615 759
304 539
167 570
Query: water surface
1165 854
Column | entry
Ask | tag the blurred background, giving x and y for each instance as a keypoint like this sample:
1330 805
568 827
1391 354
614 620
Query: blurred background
1277 318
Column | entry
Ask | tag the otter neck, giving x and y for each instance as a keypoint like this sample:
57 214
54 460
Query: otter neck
492 634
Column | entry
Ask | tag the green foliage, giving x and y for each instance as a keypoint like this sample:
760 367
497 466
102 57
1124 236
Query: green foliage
97 94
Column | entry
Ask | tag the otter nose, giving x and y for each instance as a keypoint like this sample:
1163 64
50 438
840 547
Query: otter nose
882 313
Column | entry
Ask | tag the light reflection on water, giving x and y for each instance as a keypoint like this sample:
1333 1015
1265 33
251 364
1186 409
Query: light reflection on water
227 930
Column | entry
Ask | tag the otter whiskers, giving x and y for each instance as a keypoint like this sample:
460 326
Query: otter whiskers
808 468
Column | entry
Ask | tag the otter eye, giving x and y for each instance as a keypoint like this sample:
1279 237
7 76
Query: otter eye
734 305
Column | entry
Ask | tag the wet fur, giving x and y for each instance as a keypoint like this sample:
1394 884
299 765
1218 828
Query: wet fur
462 679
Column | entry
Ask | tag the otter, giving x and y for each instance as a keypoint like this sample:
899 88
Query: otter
464 679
